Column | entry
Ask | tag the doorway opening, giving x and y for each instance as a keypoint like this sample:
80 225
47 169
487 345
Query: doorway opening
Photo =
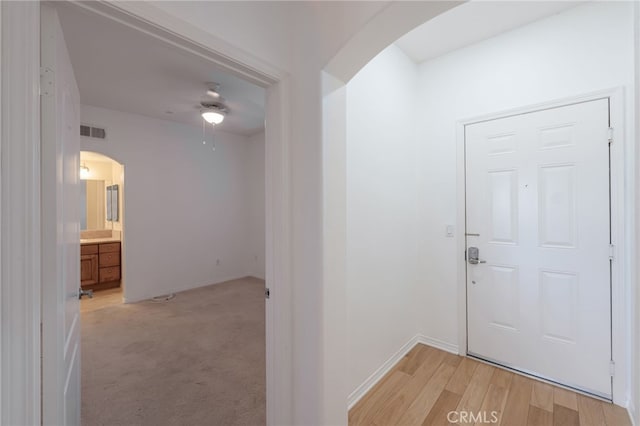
102 274
192 137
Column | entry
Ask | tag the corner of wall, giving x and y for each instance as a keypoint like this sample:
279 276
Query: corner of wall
439 344
377 375
633 414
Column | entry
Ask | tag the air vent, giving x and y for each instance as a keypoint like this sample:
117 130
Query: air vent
98 133
92 132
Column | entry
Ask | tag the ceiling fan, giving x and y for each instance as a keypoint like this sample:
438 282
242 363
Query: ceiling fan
212 107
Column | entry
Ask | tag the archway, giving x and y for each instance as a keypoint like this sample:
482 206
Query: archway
102 216
335 77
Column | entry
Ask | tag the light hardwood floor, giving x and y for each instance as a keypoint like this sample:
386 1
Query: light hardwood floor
101 299
428 384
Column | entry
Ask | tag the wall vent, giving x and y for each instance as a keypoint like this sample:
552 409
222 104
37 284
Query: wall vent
92 132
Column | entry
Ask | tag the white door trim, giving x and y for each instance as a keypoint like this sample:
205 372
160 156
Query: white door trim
621 286
20 214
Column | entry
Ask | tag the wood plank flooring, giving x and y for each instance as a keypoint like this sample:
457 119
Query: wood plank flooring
101 299
428 384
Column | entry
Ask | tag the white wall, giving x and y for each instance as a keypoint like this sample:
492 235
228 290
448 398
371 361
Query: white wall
185 206
635 329
256 206
383 298
402 193
244 23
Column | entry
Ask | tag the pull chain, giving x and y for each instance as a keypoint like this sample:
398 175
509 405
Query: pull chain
213 133
204 135
204 140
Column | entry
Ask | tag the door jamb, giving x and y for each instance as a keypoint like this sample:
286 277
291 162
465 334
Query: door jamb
620 285
20 276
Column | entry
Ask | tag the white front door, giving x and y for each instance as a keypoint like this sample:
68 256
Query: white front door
537 194
60 227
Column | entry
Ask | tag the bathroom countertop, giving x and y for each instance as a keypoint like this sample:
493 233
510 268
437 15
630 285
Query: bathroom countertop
99 240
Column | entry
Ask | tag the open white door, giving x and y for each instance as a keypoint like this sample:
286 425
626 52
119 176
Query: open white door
60 227
538 244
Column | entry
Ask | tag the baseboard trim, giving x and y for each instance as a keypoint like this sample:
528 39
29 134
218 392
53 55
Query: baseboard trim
366 386
439 344
179 290
631 410
371 381
256 277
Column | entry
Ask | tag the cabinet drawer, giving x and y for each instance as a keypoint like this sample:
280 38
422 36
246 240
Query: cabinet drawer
109 247
109 259
89 249
109 274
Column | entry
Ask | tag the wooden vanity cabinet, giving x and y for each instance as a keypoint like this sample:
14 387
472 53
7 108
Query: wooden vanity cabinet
100 265
89 265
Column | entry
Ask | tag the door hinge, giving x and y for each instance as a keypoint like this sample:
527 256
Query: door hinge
47 82
611 251
610 135
267 293
612 368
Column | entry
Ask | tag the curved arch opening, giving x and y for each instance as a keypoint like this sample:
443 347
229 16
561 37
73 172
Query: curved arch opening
102 228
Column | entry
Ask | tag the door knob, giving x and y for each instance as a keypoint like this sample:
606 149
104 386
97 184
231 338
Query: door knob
85 293
473 256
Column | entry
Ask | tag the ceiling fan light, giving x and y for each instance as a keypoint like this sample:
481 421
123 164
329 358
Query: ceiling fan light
213 117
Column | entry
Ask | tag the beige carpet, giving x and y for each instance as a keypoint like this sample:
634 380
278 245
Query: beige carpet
198 359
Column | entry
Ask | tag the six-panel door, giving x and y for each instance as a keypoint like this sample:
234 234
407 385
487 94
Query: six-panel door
537 193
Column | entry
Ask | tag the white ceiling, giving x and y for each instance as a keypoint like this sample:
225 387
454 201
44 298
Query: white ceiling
120 68
473 22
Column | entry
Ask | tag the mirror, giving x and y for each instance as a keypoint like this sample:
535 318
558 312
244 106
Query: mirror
101 185
92 215
112 203
100 205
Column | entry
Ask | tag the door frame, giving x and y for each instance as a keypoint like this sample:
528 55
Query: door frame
621 206
278 310
20 274
20 209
